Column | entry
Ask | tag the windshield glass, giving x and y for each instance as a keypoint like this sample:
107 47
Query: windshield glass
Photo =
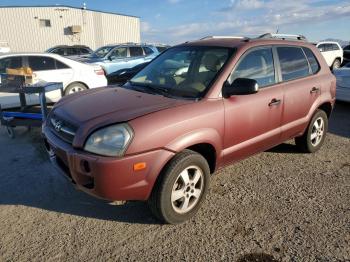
183 71
102 51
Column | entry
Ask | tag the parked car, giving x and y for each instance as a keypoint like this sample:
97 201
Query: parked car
121 76
4 47
160 136
162 48
332 53
346 55
70 51
343 82
115 57
75 76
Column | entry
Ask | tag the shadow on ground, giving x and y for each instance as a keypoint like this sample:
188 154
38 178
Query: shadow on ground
27 178
339 125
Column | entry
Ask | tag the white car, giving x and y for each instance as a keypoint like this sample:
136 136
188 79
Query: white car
343 83
332 53
75 76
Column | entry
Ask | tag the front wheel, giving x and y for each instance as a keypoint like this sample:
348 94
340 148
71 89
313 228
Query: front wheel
315 134
74 88
181 188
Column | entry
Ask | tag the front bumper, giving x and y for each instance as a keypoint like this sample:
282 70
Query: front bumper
106 177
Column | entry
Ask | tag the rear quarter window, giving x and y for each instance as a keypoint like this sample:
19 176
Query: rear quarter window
315 66
293 63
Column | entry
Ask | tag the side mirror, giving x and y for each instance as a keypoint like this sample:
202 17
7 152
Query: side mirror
241 86
320 49
110 58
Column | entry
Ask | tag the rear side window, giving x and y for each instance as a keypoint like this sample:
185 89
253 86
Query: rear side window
84 51
315 67
147 50
60 65
293 63
335 47
41 63
72 51
257 65
135 51
161 48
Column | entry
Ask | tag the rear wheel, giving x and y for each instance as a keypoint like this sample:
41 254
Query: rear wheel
336 64
74 88
181 189
315 134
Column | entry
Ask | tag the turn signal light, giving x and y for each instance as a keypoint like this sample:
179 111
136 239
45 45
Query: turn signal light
139 166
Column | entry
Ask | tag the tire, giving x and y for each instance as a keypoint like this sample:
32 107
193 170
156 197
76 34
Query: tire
336 64
172 200
10 132
74 88
315 134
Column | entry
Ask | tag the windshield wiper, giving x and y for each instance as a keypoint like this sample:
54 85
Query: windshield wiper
154 88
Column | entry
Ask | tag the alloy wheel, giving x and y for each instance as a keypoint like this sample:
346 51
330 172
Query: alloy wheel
187 189
317 131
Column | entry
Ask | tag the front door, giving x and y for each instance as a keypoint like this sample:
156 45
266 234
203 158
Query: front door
252 122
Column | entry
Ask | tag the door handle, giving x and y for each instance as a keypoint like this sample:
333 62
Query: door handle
314 90
275 102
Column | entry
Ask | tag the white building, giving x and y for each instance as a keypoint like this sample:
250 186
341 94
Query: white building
37 28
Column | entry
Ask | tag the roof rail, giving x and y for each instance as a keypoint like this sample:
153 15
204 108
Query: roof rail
225 37
283 37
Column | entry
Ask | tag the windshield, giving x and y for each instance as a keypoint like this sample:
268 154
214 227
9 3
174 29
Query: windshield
102 51
183 71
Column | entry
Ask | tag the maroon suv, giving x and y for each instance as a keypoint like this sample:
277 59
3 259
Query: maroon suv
196 108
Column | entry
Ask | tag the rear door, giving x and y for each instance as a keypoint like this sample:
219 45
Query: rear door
136 56
8 100
49 69
297 69
252 122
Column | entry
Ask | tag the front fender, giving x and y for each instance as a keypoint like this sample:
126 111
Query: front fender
198 136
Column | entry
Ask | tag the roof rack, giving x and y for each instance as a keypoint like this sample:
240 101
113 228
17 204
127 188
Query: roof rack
283 37
223 37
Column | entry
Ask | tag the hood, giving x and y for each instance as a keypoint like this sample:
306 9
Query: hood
103 106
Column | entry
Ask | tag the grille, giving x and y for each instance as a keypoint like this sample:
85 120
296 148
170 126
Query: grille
62 129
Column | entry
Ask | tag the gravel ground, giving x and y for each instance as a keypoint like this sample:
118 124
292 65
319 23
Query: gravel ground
279 205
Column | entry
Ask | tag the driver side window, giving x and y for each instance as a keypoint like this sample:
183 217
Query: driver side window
120 52
257 65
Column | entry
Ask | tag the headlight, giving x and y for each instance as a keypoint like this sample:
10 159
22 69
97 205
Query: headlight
109 141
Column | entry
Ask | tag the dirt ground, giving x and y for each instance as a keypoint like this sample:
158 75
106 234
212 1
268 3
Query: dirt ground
279 205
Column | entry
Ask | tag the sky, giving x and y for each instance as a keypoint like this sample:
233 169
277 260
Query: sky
176 21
